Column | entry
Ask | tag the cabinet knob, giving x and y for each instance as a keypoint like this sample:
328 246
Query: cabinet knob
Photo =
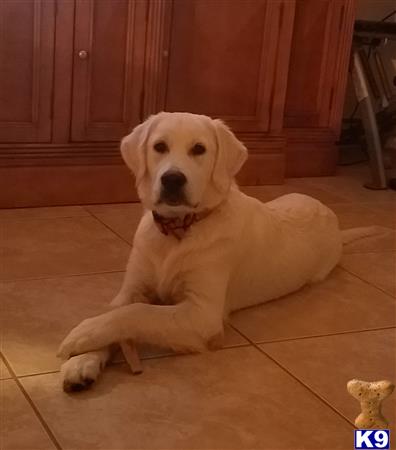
83 54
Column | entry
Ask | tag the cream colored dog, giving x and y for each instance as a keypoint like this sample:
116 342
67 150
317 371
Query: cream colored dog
203 248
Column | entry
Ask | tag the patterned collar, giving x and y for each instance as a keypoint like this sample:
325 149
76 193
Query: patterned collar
177 226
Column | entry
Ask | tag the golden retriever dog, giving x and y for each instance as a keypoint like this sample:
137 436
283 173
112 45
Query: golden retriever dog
203 248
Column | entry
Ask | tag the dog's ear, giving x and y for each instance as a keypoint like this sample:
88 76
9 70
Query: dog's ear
231 155
133 149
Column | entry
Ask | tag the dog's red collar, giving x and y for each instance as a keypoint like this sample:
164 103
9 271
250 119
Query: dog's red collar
177 226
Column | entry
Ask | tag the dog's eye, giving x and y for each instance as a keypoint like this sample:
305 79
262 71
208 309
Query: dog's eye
160 147
198 149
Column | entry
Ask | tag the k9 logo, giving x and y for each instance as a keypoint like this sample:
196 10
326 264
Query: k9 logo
371 439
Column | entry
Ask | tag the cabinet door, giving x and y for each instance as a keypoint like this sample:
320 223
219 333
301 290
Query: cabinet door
26 69
218 57
312 78
108 68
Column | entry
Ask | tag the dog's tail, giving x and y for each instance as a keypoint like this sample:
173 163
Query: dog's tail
353 234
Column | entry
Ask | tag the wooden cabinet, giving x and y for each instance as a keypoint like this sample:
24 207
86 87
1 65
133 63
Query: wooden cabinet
318 68
314 45
77 75
26 71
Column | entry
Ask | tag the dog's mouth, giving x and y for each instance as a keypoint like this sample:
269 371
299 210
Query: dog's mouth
173 199
171 202
176 204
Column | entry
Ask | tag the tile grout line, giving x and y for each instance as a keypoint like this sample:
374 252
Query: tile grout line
364 252
318 396
53 277
29 375
314 336
31 403
105 225
365 281
24 219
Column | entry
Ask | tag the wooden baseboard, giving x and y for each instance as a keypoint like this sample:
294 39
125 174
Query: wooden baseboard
310 152
311 159
76 185
267 168
65 185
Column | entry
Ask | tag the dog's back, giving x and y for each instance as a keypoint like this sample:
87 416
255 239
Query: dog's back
285 244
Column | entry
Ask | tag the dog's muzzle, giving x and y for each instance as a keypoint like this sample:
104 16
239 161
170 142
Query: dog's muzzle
172 188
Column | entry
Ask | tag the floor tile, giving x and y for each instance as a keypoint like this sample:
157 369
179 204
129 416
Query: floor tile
384 241
388 207
4 373
40 248
232 399
109 208
352 188
53 212
19 427
340 303
39 314
123 219
355 214
326 364
378 269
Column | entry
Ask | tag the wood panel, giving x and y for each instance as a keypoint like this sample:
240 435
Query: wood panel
26 74
220 58
315 47
107 83
63 71
316 87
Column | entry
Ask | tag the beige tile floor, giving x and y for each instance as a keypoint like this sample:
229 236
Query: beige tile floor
279 382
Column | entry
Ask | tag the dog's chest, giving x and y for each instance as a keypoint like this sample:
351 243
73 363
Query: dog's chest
168 293
169 282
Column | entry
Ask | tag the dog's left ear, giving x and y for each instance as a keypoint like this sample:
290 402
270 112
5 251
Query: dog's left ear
133 149
231 155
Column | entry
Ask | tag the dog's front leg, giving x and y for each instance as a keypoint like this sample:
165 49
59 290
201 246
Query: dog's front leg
189 325
81 371
181 327
138 276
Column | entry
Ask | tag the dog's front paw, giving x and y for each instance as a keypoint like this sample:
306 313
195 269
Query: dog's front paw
79 372
90 334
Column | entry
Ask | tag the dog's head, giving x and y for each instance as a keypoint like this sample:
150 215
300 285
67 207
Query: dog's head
182 162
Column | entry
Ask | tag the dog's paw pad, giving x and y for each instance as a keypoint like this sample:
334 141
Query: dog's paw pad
82 385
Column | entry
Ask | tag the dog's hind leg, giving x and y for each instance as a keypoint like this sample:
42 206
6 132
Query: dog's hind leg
80 372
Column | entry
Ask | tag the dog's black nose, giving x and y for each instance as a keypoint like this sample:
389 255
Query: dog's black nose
173 181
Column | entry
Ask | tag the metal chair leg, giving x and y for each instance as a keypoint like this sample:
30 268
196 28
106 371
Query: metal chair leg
374 146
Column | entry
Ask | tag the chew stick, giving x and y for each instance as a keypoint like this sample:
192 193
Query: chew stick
131 356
